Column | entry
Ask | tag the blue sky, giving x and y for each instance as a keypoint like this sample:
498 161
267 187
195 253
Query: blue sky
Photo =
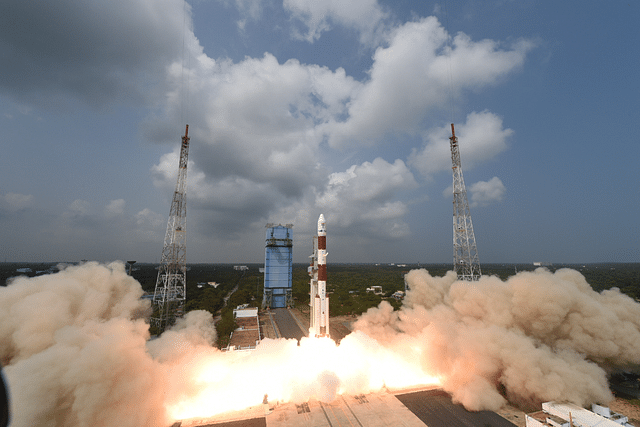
302 107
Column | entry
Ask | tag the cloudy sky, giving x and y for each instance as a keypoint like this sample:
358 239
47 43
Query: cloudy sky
302 107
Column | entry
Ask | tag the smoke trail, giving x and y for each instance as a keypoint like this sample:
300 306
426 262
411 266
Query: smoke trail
535 337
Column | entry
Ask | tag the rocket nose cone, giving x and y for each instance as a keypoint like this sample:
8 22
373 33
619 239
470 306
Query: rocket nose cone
321 225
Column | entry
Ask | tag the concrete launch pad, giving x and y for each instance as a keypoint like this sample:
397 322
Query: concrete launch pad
431 407
379 409
436 409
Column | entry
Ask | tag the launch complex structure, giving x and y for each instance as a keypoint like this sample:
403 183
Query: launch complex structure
170 291
465 251
171 286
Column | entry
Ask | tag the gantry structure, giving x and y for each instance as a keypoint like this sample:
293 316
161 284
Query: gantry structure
171 286
278 266
465 251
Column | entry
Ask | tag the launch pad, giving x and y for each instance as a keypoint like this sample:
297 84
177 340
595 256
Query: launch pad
409 408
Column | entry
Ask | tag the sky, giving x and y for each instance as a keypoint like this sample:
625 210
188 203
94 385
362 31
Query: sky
302 107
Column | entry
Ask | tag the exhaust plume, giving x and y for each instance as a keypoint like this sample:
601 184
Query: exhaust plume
76 351
537 336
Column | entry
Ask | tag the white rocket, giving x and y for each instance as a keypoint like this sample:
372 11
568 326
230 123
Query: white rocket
319 325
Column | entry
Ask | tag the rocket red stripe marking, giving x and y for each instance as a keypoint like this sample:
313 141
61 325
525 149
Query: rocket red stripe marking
322 242
322 273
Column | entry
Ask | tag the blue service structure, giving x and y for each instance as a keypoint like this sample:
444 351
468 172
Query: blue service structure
278 266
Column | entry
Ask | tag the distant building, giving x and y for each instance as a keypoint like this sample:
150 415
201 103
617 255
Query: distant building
278 269
213 284
377 290
398 295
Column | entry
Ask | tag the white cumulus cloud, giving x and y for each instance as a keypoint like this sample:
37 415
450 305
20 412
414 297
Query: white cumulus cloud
269 132
115 208
364 196
14 202
480 138
78 208
486 192
411 77
317 16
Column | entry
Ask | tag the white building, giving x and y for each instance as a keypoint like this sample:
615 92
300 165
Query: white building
375 289
555 414
247 335
398 295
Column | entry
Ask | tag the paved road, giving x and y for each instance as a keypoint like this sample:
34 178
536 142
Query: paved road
287 325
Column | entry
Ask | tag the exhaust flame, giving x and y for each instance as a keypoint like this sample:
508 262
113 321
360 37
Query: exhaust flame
76 349
288 372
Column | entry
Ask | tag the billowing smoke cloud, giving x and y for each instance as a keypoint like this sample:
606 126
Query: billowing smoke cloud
537 336
76 352
76 349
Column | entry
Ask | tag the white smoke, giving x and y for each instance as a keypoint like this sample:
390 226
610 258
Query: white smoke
76 352
76 349
537 336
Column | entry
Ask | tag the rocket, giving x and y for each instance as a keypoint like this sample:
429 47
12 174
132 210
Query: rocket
319 325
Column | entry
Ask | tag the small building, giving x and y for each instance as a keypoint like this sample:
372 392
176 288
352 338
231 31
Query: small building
556 414
247 334
398 295
377 290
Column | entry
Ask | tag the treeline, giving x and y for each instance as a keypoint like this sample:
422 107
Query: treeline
347 283
238 286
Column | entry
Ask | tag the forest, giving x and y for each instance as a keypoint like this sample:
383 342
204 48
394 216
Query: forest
346 285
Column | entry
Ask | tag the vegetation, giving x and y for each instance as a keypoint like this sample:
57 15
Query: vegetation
346 286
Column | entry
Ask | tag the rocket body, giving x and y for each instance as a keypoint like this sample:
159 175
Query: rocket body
320 302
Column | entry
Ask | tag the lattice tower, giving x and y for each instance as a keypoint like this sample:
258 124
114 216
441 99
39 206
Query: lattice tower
465 251
170 294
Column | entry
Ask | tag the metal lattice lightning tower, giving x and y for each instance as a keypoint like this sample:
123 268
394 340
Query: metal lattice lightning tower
170 293
465 251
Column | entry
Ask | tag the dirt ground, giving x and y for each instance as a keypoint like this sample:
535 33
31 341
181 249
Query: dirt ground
628 409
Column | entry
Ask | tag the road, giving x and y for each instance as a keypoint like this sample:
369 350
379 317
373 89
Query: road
287 325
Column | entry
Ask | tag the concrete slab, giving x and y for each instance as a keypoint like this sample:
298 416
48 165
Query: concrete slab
375 410
286 324
400 408
435 409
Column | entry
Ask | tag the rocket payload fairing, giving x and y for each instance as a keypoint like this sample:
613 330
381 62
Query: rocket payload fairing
319 325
